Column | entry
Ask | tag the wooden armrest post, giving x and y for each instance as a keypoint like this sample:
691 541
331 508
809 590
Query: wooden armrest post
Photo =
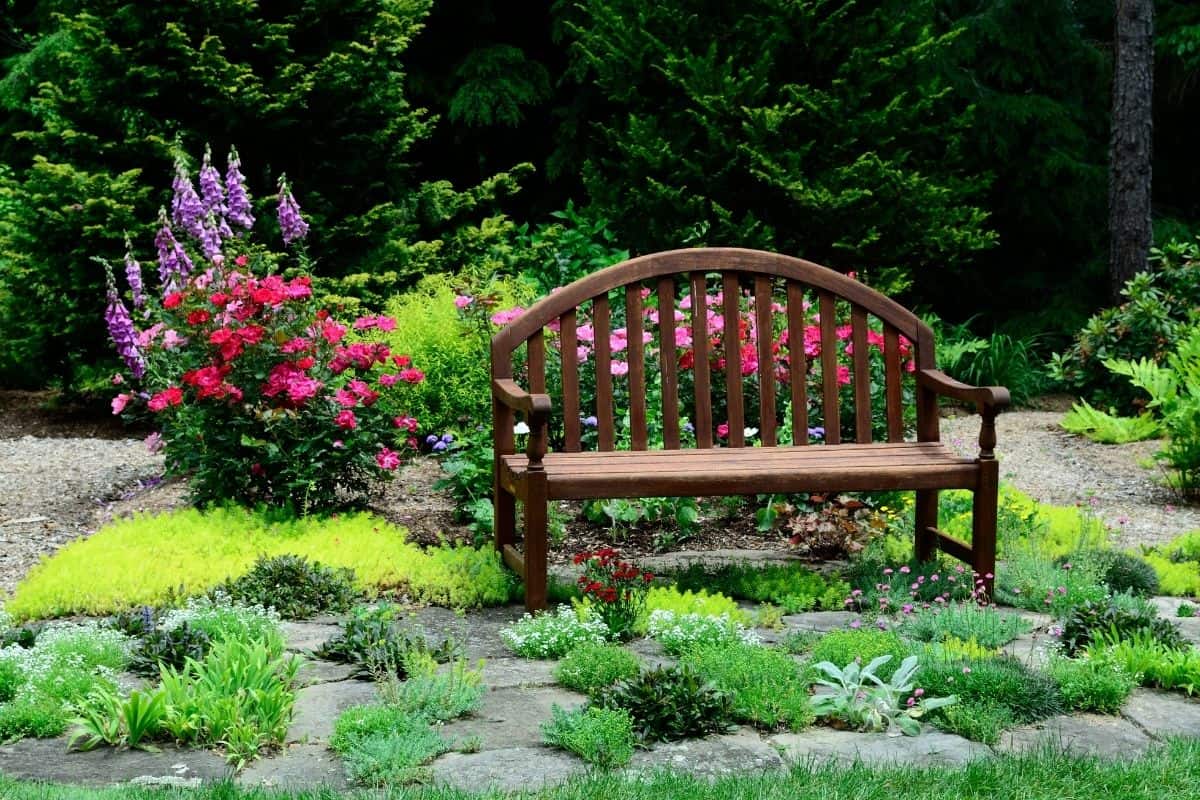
988 400
535 407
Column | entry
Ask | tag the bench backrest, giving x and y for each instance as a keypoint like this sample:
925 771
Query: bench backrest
778 293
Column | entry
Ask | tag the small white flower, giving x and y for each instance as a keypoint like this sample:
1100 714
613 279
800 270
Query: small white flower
748 432
520 428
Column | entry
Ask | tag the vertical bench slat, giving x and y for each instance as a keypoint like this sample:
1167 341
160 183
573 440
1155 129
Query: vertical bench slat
637 366
766 363
862 375
568 345
667 365
797 362
700 377
733 360
829 365
892 379
604 395
535 361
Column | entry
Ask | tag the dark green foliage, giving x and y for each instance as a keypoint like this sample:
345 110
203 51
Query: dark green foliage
372 639
981 721
22 636
138 622
671 703
11 679
1116 621
1028 694
826 131
294 586
169 648
1126 572
865 645
100 92
1092 684
793 587
1159 306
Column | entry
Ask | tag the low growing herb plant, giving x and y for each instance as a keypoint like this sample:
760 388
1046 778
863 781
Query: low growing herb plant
766 685
600 736
987 626
864 645
553 634
589 668
385 745
1092 685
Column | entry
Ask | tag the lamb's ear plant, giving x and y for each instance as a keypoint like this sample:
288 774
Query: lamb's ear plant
866 702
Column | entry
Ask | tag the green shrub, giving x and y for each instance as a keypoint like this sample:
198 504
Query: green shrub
294 586
979 721
553 634
1157 307
670 703
863 645
437 696
985 625
1125 572
1185 610
793 587
385 745
1027 693
451 346
194 551
1100 426
600 736
36 717
766 685
1118 618
1176 578
592 667
1152 662
1031 582
1088 685
678 633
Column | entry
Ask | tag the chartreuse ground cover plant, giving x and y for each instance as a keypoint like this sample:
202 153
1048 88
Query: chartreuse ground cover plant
792 587
194 551
1167 772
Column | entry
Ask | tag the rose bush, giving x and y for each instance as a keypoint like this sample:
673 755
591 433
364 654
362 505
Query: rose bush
257 392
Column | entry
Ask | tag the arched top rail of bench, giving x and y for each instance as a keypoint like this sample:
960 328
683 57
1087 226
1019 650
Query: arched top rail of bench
707 260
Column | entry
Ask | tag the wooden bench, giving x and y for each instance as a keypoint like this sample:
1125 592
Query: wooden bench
586 463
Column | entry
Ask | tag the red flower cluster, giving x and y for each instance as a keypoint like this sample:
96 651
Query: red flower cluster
617 587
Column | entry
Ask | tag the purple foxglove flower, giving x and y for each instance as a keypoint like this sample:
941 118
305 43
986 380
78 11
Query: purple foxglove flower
224 229
124 335
210 238
173 262
238 206
187 212
133 274
291 223
211 191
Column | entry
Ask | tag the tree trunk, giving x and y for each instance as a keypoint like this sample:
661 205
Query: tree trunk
1130 146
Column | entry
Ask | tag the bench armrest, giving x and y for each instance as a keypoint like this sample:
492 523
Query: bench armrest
535 407
988 400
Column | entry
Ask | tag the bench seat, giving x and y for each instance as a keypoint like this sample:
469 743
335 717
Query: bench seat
745 470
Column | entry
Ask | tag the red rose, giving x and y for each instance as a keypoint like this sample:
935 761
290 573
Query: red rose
173 300
219 299
306 362
198 317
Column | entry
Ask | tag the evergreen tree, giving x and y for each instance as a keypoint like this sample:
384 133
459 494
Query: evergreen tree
100 96
822 128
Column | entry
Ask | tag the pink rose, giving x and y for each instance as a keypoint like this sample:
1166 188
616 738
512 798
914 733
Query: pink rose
387 459
119 402
463 300
346 419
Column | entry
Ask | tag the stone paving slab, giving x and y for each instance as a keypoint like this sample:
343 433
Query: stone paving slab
1163 714
820 621
306 636
318 706
932 747
48 760
314 671
742 751
509 769
512 673
297 766
511 718
478 632
1090 734
1033 649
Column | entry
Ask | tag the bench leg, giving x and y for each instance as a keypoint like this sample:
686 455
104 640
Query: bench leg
504 525
535 543
983 524
926 515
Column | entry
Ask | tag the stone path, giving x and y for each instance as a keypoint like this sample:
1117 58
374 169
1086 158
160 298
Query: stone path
504 741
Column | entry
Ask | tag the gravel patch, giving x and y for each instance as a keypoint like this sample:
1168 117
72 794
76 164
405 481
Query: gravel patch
1052 466
53 490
